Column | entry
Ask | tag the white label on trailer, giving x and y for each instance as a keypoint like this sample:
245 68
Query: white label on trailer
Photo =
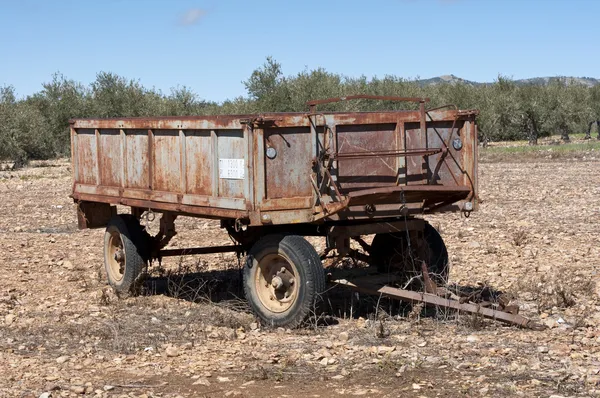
232 169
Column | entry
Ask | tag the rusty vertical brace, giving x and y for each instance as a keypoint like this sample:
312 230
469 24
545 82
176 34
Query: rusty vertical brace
183 163
249 183
74 164
260 173
150 159
398 143
257 169
215 167
314 138
123 158
423 129
98 172
333 177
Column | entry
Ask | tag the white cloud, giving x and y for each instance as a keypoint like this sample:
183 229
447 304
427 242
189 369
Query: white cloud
192 16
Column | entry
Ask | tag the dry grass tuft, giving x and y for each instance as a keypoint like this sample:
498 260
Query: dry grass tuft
520 238
557 288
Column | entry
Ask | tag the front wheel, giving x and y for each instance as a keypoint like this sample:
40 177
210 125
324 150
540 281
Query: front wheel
124 248
283 278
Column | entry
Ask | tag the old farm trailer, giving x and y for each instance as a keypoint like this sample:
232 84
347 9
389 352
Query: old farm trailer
273 179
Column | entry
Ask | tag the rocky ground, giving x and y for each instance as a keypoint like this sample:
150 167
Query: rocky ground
64 333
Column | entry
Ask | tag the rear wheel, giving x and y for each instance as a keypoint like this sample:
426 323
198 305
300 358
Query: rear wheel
124 253
283 278
394 253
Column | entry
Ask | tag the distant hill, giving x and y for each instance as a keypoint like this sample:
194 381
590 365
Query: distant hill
587 81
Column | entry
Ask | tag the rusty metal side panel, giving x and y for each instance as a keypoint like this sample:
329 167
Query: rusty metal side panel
417 169
176 161
445 168
356 174
199 164
287 174
231 144
136 149
110 157
85 154
167 161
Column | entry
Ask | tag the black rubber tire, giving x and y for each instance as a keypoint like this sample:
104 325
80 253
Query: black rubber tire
307 262
135 248
387 249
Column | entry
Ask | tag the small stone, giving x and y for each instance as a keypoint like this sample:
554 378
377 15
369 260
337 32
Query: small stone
472 339
223 379
550 323
67 264
230 334
542 349
474 245
385 349
253 326
9 319
416 386
108 387
201 382
62 359
337 377
323 361
172 352
45 395
343 337
78 389
401 371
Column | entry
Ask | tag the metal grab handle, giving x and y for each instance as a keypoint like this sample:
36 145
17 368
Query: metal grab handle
312 104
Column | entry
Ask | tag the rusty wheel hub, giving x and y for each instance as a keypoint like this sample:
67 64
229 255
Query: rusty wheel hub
276 283
116 257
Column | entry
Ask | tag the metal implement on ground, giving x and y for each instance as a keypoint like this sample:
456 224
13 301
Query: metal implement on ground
273 179
433 295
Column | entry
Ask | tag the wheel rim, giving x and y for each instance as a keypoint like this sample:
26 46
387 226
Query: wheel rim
276 283
115 256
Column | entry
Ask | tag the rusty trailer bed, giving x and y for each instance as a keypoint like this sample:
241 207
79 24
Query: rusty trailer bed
281 168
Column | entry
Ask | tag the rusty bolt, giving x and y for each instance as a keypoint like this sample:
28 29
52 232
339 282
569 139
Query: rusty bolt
277 282
119 256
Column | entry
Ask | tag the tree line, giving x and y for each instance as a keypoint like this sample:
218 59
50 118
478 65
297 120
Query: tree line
36 127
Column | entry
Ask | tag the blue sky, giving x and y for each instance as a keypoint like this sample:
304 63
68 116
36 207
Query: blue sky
211 46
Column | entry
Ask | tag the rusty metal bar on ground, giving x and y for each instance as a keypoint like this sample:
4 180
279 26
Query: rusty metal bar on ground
432 299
